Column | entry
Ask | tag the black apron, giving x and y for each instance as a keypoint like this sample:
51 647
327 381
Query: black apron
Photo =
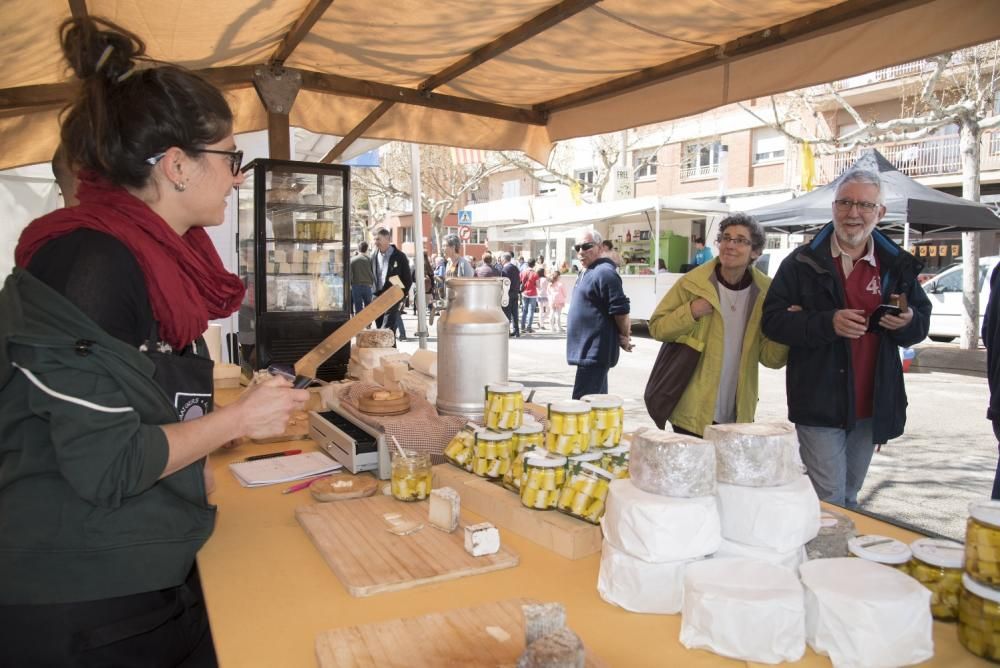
186 377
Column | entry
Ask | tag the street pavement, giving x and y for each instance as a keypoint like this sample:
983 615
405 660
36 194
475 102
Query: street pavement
926 478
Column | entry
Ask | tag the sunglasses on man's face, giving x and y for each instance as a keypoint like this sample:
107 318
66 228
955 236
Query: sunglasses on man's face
584 247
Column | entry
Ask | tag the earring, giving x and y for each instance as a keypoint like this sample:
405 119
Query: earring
180 186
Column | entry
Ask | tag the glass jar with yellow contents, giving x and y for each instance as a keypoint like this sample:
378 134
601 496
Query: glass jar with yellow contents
512 478
569 428
937 565
607 416
411 476
982 542
461 449
541 481
586 488
504 409
881 550
615 461
529 435
979 619
492 453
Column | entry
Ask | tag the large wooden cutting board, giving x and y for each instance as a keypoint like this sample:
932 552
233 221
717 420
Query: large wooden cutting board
368 559
464 637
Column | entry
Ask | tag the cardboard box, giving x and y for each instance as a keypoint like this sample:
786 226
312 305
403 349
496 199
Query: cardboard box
553 530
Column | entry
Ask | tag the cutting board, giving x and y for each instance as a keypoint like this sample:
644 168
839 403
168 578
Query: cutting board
486 635
368 559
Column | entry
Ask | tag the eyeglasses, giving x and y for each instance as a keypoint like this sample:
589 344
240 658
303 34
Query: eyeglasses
739 241
235 157
584 247
845 205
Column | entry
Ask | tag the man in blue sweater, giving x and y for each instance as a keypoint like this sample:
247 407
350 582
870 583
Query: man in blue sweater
598 322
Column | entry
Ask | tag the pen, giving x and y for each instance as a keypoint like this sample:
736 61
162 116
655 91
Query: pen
273 454
302 485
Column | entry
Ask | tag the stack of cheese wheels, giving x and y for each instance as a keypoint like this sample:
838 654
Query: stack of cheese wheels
768 506
658 521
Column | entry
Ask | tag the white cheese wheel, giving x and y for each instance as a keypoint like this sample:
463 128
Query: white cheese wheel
791 559
863 614
375 338
640 586
758 454
744 609
779 518
658 528
672 464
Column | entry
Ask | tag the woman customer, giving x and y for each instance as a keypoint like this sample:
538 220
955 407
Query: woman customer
719 304
556 293
102 486
543 297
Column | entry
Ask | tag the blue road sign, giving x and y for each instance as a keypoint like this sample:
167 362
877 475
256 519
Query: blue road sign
464 217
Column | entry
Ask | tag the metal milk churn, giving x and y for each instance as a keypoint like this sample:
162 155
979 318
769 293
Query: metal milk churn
472 345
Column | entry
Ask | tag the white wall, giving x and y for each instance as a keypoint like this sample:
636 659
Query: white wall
25 194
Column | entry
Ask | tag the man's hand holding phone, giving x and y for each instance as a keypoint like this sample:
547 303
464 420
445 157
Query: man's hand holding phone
894 315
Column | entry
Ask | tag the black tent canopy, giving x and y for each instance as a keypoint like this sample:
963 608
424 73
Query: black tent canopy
906 200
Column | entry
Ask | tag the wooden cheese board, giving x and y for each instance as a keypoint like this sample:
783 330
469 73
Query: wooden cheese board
397 404
486 635
353 539
343 486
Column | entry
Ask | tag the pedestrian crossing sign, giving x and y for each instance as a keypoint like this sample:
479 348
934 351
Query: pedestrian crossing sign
464 217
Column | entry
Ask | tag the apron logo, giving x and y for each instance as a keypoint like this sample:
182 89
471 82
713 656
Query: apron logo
191 406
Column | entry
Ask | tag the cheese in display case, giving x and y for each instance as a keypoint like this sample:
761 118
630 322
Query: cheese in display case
569 428
504 410
607 417
541 481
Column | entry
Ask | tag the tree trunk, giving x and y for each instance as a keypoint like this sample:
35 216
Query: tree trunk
970 142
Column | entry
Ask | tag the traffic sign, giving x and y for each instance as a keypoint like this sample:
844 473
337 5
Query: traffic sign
464 232
464 217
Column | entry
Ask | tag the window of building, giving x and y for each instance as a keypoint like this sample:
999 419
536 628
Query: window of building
586 175
545 189
768 145
644 163
511 188
450 230
406 233
701 158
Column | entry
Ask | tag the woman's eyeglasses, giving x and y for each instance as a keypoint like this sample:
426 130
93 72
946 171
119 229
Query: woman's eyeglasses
739 241
235 157
584 246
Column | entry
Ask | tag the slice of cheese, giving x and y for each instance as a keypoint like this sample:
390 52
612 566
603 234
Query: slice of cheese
444 509
482 539
395 371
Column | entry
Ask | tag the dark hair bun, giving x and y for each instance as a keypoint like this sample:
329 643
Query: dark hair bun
96 47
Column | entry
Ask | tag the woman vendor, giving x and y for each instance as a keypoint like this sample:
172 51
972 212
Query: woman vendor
104 390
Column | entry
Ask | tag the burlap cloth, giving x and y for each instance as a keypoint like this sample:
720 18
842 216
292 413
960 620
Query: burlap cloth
420 429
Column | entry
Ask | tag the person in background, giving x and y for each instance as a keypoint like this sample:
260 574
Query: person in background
522 263
529 296
103 477
991 339
458 266
362 279
598 325
610 253
844 381
440 266
702 253
729 293
486 268
65 177
389 261
661 266
557 300
543 298
564 267
510 272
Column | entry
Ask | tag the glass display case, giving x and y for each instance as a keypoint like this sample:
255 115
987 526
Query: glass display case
293 256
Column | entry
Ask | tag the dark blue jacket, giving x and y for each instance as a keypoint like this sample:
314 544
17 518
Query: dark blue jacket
510 271
591 332
991 339
819 379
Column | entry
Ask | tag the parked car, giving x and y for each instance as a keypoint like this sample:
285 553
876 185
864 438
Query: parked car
945 292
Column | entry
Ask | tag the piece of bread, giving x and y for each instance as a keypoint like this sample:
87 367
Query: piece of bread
381 395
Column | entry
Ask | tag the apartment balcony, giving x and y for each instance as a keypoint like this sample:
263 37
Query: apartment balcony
933 156
693 172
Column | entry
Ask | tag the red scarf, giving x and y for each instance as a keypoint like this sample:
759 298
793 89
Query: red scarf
187 283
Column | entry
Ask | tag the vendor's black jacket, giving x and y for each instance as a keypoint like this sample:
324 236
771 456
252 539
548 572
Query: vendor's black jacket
991 339
84 514
819 376
398 266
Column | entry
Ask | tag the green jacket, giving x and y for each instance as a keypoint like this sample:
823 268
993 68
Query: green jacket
83 514
672 320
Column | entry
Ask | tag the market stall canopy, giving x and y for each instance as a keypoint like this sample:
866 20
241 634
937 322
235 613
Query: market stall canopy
926 209
598 212
505 74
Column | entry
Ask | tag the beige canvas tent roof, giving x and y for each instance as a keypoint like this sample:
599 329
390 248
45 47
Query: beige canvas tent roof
501 74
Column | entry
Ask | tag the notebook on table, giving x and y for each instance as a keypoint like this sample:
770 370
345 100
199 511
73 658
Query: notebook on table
277 470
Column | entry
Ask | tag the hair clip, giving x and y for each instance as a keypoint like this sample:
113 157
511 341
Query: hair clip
129 72
104 57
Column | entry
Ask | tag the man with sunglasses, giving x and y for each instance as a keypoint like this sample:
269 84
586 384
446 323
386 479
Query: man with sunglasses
844 380
598 324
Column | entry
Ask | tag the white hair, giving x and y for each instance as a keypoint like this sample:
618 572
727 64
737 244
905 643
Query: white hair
863 176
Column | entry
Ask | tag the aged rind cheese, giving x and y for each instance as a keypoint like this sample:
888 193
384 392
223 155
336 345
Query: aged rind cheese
758 454
562 649
444 509
482 539
640 586
835 530
541 619
672 464
779 518
375 338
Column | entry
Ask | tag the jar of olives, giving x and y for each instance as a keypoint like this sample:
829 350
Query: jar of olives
541 481
606 419
492 453
569 428
881 550
411 476
979 619
982 542
504 408
615 461
937 565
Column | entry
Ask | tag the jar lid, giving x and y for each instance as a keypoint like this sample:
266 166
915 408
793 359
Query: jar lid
603 400
529 428
986 511
598 471
586 457
980 590
544 461
504 388
940 553
570 406
879 549
493 435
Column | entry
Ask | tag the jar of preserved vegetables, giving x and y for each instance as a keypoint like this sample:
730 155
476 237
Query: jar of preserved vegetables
492 453
504 408
411 476
585 491
881 550
569 428
982 542
460 450
937 565
606 419
541 481
512 478
529 435
615 461
979 619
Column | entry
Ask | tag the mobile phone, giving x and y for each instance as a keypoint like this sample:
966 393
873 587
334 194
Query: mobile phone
881 310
